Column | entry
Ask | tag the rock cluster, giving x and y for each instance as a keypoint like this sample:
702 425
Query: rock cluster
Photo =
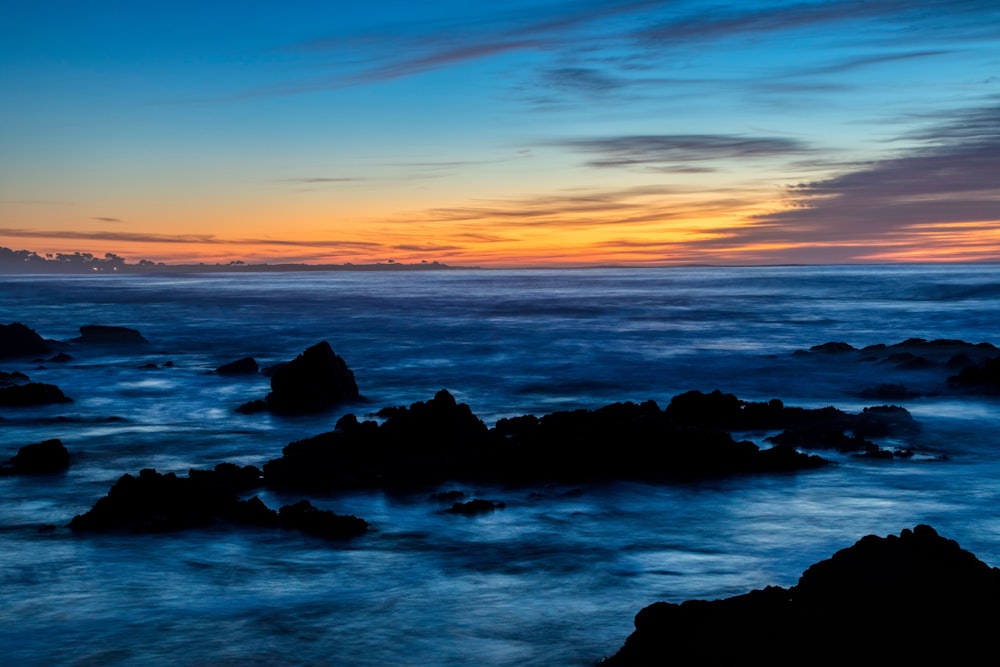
441 439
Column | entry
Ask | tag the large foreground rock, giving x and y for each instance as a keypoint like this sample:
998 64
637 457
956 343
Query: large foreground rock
913 599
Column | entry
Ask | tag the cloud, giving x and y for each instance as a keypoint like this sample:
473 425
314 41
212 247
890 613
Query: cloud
947 183
194 239
106 219
322 179
630 151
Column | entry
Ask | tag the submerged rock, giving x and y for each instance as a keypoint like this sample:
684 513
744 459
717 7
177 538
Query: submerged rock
244 366
99 334
19 340
31 394
915 598
45 457
315 381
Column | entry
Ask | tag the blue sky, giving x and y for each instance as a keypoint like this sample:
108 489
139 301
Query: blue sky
521 133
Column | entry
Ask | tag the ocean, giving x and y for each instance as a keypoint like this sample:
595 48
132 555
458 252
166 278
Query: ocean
556 576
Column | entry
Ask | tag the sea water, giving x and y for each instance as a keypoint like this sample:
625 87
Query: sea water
555 577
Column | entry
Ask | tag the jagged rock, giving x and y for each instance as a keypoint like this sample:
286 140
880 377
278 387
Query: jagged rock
727 412
440 440
44 457
18 340
99 334
244 366
155 502
31 394
316 380
917 598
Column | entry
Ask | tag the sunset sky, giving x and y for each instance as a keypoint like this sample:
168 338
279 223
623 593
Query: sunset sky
519 133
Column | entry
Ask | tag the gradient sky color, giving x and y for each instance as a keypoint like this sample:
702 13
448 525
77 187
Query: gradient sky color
522 133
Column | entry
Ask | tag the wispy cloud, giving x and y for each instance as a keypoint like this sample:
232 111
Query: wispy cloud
628 151
192 239
106 219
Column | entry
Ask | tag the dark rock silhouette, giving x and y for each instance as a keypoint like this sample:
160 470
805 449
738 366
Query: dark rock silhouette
31 394
474 507
984 376
18 340
99 334
917 598
244 366
155 502
439 440
315 381
825 427
10 379
44 457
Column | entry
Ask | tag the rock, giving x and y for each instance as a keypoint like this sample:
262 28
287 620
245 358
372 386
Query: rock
984 377
31 394
18 340
888 391
315 381
155 502
322 523
48 456
917 598
833 348
474 507
244 366
10 379
441 440
98 334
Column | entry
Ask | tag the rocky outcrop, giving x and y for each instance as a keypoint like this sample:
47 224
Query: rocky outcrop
914 598
48 456
244 366
18 340
31 394
817 428
155 502
99 334
315 381
440 440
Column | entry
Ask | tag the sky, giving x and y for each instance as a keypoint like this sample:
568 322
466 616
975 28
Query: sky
521 133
